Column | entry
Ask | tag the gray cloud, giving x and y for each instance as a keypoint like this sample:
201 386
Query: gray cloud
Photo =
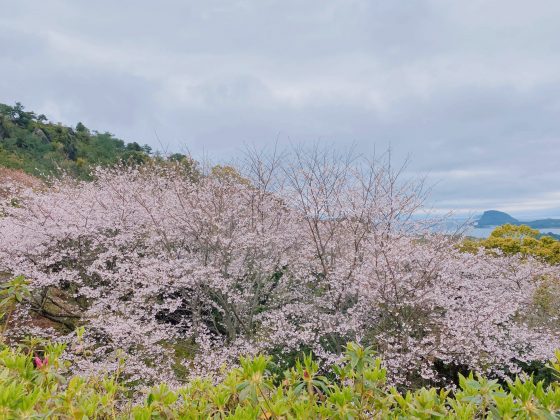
469 89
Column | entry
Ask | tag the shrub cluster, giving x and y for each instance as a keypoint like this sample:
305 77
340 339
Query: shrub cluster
32 385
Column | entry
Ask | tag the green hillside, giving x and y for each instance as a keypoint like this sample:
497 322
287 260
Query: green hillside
30 142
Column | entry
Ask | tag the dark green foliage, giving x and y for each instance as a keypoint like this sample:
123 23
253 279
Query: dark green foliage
38 147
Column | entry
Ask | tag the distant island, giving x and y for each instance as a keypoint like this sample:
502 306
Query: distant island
496 218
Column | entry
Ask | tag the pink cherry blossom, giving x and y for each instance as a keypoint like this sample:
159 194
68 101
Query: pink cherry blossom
301 252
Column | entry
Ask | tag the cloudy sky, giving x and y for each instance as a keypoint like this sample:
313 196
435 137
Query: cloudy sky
469 89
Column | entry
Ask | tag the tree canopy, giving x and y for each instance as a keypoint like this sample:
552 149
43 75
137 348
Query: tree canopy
519 239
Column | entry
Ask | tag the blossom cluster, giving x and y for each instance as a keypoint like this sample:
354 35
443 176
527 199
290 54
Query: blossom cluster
184 275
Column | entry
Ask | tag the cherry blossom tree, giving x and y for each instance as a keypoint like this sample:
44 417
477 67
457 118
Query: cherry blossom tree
286 253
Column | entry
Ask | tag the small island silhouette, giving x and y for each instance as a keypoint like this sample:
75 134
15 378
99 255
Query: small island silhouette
496 218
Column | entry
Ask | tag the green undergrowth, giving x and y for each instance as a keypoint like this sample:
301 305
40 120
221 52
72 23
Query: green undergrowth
33 384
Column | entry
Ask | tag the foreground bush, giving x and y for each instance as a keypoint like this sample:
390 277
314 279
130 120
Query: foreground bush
31 386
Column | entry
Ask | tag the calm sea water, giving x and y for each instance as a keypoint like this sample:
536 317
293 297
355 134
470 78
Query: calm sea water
485 232
453 224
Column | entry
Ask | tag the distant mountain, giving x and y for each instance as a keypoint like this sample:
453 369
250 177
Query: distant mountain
496 218
544 223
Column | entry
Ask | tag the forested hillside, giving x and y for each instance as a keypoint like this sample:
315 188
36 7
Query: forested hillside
32 143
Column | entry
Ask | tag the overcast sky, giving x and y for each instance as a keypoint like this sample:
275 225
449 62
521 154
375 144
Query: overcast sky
469 89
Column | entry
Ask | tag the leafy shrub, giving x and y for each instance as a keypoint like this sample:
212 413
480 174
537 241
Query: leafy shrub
34 386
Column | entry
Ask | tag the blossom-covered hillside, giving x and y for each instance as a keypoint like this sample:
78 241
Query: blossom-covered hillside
184 272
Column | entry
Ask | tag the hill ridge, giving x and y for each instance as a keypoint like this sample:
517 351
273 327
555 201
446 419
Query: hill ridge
496 218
